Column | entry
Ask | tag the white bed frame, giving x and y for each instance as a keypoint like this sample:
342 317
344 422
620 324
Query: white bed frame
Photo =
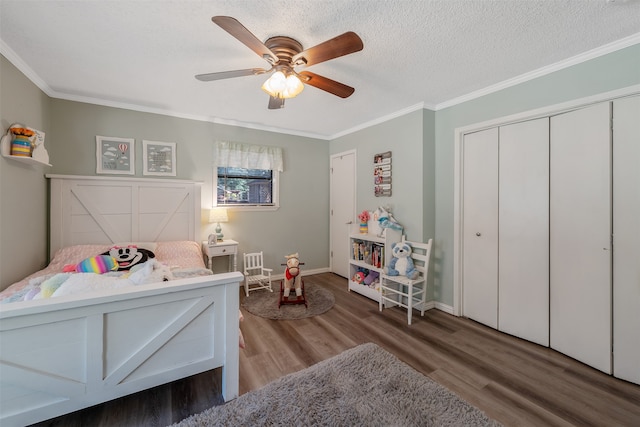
68 353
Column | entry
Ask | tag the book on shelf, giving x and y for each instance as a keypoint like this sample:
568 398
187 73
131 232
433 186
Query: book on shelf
370 252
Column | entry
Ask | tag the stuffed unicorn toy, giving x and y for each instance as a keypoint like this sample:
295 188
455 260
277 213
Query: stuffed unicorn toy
386 220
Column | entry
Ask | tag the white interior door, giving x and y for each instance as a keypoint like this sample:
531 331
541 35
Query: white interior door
626 239
480 227
523 272
580 235
343 209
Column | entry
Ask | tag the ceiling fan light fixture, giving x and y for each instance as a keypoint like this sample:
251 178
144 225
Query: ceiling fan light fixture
294 85
280 86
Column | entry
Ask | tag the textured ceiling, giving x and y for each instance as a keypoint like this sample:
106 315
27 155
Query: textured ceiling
143 55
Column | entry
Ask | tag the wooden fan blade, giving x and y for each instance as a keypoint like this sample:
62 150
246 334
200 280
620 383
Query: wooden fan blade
326 84
237 30
230 74
341 45
275 103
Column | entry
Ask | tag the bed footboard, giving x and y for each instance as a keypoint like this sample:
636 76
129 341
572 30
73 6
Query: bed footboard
65 354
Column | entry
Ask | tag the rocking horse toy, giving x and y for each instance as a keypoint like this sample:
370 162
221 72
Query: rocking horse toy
292 279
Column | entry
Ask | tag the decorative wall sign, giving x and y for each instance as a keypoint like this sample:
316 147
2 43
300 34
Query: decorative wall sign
382 174
115 155
159 158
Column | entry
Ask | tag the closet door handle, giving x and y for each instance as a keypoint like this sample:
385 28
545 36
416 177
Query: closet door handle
350 222
478 234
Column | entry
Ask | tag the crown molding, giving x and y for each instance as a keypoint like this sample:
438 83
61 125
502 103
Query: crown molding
578 59
583 57
13 57
399 113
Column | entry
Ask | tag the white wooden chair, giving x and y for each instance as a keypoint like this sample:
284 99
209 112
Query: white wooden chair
404 292
256 276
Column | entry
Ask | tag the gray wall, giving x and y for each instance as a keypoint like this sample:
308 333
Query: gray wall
410 138
403 136
300 225
23 188
429 199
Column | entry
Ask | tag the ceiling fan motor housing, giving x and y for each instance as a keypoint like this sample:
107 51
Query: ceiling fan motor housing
284 48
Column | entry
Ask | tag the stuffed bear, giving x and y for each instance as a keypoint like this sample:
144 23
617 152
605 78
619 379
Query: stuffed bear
401 264
129 256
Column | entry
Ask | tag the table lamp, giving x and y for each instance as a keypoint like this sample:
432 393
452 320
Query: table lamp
218 215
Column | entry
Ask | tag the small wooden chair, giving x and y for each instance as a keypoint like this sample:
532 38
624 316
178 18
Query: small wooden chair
402 291
256 276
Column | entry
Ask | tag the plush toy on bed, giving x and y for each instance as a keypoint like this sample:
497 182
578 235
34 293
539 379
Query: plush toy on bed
129 256
96 264
401 264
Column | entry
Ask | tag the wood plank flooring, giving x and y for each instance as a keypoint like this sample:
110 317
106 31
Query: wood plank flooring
516 382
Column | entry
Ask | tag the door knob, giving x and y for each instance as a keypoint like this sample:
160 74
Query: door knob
478 234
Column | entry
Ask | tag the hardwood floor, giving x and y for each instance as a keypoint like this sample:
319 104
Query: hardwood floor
513 381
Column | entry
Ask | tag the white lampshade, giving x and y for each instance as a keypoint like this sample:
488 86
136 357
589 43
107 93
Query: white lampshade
218 215
280 86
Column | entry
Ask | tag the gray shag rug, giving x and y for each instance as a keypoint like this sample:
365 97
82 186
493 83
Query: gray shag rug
265 304
363 386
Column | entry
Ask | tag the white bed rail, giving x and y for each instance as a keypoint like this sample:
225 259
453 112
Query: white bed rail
69 353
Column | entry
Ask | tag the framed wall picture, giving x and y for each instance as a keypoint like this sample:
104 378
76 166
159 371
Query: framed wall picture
382 174
115 155
158 158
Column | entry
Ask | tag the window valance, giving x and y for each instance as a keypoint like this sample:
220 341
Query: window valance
248 156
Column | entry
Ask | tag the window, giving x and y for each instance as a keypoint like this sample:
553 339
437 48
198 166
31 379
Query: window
246 176
249 187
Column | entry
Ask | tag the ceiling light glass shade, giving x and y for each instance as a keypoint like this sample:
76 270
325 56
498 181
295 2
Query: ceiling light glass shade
280 86
294 86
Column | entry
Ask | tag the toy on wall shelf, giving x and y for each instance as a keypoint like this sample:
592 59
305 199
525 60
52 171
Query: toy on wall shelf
24 142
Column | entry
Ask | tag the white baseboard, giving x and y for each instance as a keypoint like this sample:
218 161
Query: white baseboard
439 306
431 304
444 307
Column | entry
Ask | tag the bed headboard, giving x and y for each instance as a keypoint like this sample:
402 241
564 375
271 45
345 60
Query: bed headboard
97 209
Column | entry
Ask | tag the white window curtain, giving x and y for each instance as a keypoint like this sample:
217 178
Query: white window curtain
238 155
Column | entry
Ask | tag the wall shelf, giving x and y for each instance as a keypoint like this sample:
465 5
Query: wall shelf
5 149
28 160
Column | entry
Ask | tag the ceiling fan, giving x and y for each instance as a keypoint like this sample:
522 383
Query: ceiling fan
284 54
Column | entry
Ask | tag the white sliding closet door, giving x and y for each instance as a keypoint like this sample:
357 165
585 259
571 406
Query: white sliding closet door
523 279
580 235
480 227
626 240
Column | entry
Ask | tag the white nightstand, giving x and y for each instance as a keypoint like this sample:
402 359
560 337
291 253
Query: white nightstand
224 248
